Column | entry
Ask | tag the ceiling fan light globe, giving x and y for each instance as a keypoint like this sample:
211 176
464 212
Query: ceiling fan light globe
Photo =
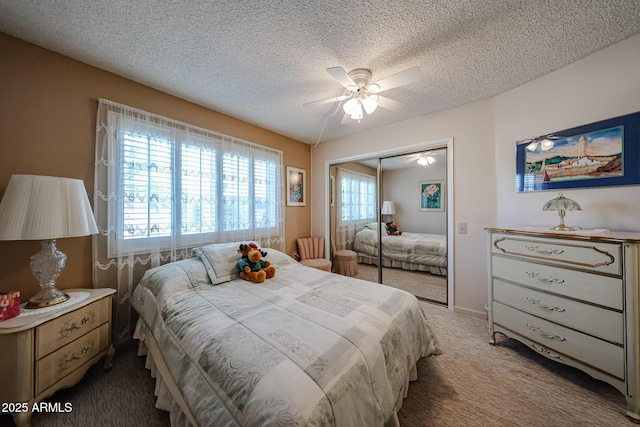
546 144
357 114
370 103
374 88
350 106
422 161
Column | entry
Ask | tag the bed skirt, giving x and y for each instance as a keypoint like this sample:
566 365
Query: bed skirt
169 398
387 262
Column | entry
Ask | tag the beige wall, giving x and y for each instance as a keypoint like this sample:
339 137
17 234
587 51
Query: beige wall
48 106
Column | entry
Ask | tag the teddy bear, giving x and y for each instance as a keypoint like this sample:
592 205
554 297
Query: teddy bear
252 266
392 229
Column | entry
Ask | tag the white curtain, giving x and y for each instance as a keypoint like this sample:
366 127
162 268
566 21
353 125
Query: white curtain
356 205
163 187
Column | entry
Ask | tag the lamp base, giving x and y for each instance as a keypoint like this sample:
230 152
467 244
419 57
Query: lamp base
563 227
47 298
46 266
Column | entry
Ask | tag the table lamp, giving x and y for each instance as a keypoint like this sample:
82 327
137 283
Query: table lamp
46 208
561 204
388 209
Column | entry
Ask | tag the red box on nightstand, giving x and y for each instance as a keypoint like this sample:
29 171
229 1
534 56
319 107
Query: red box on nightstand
9 305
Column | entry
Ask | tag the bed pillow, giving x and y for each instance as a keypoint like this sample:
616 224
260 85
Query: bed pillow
374 226
277 258
220 260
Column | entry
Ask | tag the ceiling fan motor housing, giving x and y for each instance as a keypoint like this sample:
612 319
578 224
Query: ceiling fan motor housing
361 77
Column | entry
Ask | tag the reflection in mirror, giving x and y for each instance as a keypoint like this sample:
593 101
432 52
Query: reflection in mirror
413 222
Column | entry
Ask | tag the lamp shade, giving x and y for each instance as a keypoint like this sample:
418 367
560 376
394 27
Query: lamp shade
388 208
561 203
44 207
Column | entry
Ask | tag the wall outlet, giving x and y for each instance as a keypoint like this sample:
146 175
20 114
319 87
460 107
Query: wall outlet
462 228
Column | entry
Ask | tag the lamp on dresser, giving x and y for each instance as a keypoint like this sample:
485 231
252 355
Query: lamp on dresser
46 208
562 204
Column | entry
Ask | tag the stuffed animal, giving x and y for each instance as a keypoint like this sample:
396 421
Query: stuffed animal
392 229
252 266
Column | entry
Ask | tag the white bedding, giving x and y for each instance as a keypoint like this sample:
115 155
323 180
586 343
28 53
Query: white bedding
405 250
304 348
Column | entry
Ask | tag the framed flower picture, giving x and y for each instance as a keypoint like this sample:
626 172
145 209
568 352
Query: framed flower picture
431 196
296 182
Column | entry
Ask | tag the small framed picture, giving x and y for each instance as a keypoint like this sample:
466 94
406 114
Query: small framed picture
296 182
431 196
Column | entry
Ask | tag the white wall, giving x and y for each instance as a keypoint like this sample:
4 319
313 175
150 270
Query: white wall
401 186
471 127
600 86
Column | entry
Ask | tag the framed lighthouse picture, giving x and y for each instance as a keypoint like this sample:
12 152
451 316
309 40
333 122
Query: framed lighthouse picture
604 153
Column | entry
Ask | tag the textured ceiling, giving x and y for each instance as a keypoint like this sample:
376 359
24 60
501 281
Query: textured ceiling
260 61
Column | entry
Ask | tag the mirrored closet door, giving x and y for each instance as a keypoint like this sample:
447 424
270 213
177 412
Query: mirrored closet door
392 212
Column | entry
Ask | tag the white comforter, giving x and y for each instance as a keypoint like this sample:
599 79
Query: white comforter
417 248
304 348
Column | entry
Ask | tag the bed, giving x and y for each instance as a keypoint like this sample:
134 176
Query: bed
306 347
408 251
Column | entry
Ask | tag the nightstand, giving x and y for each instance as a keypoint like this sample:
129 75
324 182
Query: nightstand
45 350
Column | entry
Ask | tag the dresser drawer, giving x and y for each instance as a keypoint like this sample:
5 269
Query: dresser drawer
600 322
67 359
601 257
599 354
61 331
593 288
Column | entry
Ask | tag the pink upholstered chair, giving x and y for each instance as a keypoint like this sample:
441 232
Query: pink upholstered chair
311 253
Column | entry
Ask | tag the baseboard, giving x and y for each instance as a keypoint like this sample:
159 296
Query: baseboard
472 313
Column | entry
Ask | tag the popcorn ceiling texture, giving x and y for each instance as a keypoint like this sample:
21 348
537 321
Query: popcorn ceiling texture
260 61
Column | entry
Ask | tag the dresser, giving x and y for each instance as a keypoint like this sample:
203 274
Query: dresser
572 297
45 350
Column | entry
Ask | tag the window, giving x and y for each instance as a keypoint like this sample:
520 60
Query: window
180 186
357 196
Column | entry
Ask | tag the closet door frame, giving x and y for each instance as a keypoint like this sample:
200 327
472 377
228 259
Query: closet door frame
426 146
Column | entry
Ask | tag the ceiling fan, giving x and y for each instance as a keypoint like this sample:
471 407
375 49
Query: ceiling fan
543 142
424 159
363 94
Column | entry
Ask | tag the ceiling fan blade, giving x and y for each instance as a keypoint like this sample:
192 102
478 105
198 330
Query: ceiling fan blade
342 77
411 75
327 101
389 104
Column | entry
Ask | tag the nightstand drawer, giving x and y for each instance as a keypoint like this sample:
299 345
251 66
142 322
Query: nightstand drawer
590 319
591 287
596 353
61 331
67 359
596 256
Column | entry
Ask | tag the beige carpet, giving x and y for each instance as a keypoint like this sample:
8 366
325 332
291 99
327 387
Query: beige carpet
474 384
421 284
470 384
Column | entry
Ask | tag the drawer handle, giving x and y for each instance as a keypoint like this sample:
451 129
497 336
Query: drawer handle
550 251
546 351
545 306
64 363
549 335
66 330
551 279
